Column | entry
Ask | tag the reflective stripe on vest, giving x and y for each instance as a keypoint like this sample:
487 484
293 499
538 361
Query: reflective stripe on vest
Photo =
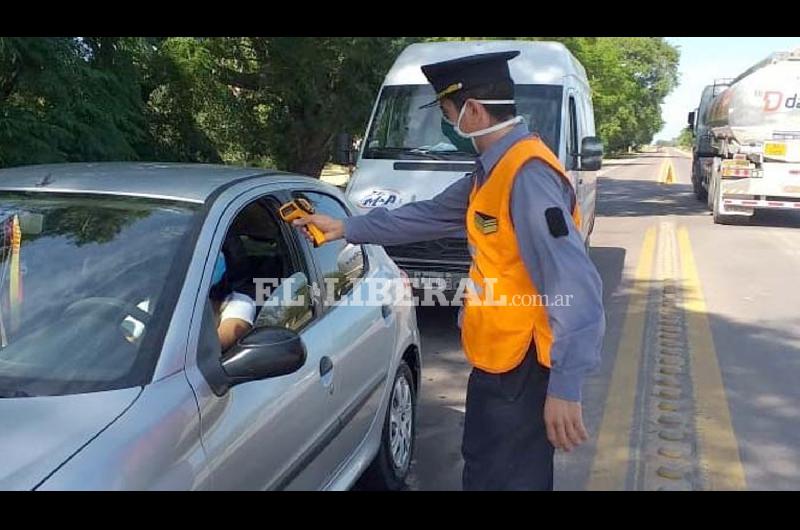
496 336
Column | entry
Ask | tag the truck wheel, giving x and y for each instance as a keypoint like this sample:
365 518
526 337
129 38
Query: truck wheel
699 191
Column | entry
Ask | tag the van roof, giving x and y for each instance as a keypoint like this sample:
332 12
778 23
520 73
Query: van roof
545 63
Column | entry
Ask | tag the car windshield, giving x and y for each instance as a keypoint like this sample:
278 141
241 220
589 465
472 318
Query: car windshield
81 289
403 131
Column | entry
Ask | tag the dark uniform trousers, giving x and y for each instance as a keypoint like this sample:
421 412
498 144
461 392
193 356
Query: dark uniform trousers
505 445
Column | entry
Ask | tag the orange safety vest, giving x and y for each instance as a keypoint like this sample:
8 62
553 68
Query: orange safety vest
496 337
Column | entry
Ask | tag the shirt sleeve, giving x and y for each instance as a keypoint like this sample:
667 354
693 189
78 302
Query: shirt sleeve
238 305
561 269
441 216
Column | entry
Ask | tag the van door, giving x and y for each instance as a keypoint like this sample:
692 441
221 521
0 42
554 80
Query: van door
573 135
589 185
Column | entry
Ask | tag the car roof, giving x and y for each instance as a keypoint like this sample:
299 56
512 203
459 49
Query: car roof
176 181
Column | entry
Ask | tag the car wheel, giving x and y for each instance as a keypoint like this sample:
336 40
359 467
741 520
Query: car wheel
390 468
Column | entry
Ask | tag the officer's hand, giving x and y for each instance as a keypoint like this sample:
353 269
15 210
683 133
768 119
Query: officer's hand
564 422
331 228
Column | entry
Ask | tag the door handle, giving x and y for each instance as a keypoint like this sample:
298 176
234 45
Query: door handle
386 310
326 373
325 366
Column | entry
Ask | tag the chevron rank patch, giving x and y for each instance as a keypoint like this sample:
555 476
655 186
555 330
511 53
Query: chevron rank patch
485 223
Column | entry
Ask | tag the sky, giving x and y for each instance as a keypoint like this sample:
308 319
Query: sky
705 58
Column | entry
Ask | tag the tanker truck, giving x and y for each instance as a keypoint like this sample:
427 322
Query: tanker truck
754 136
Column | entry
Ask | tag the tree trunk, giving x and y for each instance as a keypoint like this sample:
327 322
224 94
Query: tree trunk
311 163
311 153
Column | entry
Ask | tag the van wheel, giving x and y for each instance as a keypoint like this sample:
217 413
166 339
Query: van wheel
390 468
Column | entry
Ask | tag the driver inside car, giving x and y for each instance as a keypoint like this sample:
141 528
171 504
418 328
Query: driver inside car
235 311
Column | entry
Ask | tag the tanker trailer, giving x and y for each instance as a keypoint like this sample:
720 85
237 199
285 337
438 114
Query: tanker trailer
755 135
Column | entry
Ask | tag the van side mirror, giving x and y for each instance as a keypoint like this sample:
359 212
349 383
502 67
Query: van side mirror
691 121
343 153
591 154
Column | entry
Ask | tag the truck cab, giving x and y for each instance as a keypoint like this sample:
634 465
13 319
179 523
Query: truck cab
703 150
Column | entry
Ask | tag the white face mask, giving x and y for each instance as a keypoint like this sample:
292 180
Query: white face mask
488 130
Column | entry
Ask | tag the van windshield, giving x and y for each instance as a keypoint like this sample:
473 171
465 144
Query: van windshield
403 131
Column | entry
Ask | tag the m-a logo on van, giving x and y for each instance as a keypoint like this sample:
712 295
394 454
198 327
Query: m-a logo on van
376 198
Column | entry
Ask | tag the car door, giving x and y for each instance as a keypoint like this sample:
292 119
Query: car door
273 433
361 335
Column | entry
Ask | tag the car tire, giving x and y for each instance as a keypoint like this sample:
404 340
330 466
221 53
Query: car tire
389 469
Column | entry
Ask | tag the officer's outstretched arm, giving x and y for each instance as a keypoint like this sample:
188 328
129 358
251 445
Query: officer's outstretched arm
332 229
441 216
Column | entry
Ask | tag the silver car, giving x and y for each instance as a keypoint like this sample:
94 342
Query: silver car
111 371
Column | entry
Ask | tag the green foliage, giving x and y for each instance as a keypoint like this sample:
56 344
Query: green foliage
685 139
276 101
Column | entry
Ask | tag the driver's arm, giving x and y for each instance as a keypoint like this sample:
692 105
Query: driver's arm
236 319
231 330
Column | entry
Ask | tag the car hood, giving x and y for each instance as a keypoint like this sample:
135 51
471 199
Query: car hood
38 434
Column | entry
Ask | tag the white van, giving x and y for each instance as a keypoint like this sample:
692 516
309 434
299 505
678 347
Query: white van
405 156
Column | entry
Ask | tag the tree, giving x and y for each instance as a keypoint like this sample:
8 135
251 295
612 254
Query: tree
630 77
276 101
68 99
302 91
685 139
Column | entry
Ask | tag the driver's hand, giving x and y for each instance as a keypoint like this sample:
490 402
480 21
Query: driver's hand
331 228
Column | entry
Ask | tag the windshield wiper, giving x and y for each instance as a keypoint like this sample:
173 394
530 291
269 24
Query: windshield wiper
14 394
446 155
383 152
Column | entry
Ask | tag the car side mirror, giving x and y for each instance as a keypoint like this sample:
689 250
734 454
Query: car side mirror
691 120
263 353
591 154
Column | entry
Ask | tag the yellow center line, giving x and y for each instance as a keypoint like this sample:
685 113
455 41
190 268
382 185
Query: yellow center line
612 454
666 174
720 462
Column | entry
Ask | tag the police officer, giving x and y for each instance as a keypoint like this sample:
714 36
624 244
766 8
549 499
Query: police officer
521 217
